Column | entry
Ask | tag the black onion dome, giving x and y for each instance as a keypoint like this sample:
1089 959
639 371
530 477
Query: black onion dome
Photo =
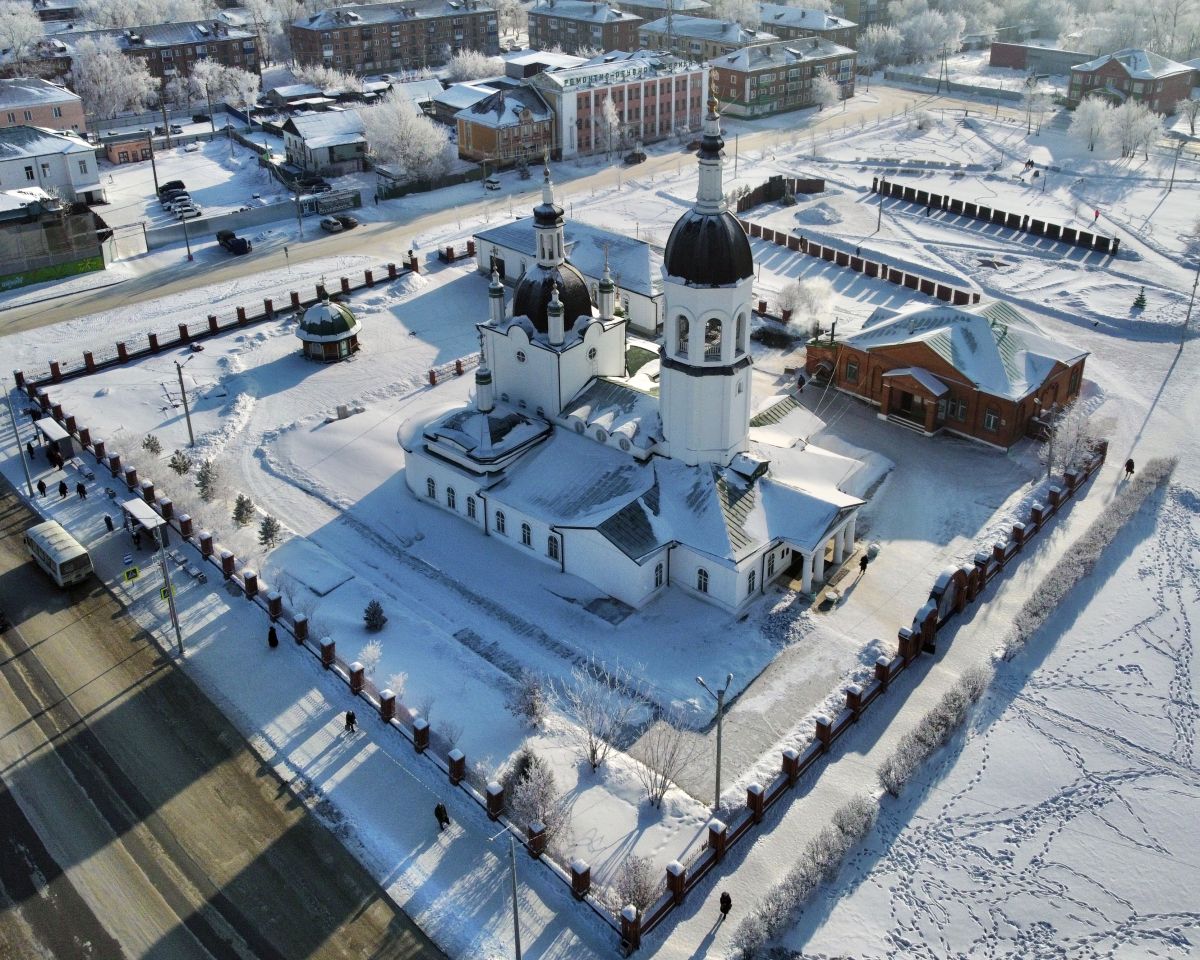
537 287
708 249
548 215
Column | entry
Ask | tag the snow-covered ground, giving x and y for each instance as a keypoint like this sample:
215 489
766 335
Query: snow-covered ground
974 67
450 595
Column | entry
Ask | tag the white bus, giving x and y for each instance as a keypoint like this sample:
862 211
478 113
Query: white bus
58 553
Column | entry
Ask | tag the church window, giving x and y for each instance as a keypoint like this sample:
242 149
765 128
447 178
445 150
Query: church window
471 507
741 333
520 356
601 436
702 580
526 535
712 339
852 371
451 498
552 548
430 489
579 428
750 581
771 565
681 336
591 353
623 444
658 575
500 521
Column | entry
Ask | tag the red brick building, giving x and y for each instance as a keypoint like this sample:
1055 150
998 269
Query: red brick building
1132 74
774 77
983 372
30 101
581 24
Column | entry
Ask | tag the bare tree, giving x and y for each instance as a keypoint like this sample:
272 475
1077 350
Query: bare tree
451 732
425 705
664 751
399 133
20 29
529 702
636 884
107 81
1091 120
595 698
1072 436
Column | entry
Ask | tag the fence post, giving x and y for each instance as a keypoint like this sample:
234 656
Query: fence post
791 766
676 881
206 543
718 837
250 583
495 800
89 361
883 671
755 801
274 605
300 627
456 761
581 878
631 927
328 652
387 705
185 525
824 732
537 839
420 734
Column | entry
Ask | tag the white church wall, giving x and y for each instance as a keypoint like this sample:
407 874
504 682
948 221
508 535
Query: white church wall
420 468
525 374
590 556
726 586
600 354
514 519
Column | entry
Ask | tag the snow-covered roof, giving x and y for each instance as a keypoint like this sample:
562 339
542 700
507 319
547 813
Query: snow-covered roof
460 95
615 66
922 376
676 6
354 15
778 14
506 108
584 10
327 321
635 265
26 91
994 346
1139 64
547 58
619 409
702 28
25 141
161 34
418 91
780 53
331 129
486 437
293 91
21 198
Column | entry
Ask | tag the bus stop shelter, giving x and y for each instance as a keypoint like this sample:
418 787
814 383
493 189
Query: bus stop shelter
55 436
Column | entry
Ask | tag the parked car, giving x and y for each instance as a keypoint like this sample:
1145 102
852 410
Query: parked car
191 147
176 128
233 243
159 131
169 186
331 225
348 222
186 210
175 201
322 186
491 183
200 118
637 156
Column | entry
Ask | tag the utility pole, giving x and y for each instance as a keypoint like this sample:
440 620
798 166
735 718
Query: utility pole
187 239
162 102
153 165
735 153
183 392
1186 320
512 854
21 449
167 588
879 219
1174 164
719 696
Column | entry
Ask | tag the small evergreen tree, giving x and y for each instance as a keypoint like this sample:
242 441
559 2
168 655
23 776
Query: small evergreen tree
243 510
180 462
207 480
1140 302
268 532
150 443
373 616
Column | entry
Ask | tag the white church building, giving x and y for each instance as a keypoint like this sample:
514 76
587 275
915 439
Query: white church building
635 483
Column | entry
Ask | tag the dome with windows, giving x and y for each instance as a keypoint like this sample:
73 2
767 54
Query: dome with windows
535 289
708 249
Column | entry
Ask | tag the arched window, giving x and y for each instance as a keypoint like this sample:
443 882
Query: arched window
658 575
681 336
471 508
702 580
712 339
451 498
740 346
771 565
430 489
500 521
526 535
751 581
601 435
552 548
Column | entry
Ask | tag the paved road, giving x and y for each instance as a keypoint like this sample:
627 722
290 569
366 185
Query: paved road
137 822
390 239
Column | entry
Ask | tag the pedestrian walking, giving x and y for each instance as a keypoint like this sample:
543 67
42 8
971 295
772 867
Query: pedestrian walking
108 523
862 564
1129 467
81 490
351 721
62 490
1096 216
41 488
137 539
31 449
443 818
272 637
726 904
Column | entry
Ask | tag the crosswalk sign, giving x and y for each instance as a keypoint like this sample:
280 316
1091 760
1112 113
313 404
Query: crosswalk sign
132 574
164 592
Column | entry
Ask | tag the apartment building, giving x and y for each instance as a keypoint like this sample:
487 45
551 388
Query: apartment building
506 127
371 38
699 38
795 23
1135 75
776 77
580 24
651 10
39 103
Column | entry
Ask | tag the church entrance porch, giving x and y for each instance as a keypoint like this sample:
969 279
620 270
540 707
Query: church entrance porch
826 565
914 398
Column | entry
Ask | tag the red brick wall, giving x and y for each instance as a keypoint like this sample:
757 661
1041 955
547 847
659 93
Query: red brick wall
1008 55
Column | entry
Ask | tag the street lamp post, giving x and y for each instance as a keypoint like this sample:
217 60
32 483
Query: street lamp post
719 696
183 392
1187 319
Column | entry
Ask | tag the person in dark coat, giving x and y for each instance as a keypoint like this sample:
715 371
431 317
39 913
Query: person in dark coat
726 904
108 523
1129 467
31 449
443 818
137 539
862 564
351 721
62 489
41 488
81 490
272 637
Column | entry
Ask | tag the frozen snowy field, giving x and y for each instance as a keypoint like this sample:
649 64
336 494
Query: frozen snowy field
262 410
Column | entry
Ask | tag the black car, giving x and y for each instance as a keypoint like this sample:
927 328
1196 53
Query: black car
200 118
232 242
322 186
348 222
169 186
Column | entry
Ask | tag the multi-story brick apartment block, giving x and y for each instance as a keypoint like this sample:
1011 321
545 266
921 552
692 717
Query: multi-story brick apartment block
581 24
505 128
169 49
793 23
650 10
1132 74
655 95
54 11
774 77
31 101
862 12
699 38
371 38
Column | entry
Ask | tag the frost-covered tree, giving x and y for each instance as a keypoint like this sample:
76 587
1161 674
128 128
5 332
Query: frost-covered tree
208 481
745 12
529 701
269 532
880 45
369 655
132 13
473 65
328 79
1091 121
513 16
1190 109
241 88
637 883
535 798
400 134
610 125
930 32
180 462
20 29
1134 127
664 752
107 81
243 510
596 700
825 91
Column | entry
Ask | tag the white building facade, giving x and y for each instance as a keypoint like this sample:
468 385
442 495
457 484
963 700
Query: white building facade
57 162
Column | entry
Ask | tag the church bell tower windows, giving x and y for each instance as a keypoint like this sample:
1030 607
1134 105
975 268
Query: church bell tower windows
682 329
712 339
